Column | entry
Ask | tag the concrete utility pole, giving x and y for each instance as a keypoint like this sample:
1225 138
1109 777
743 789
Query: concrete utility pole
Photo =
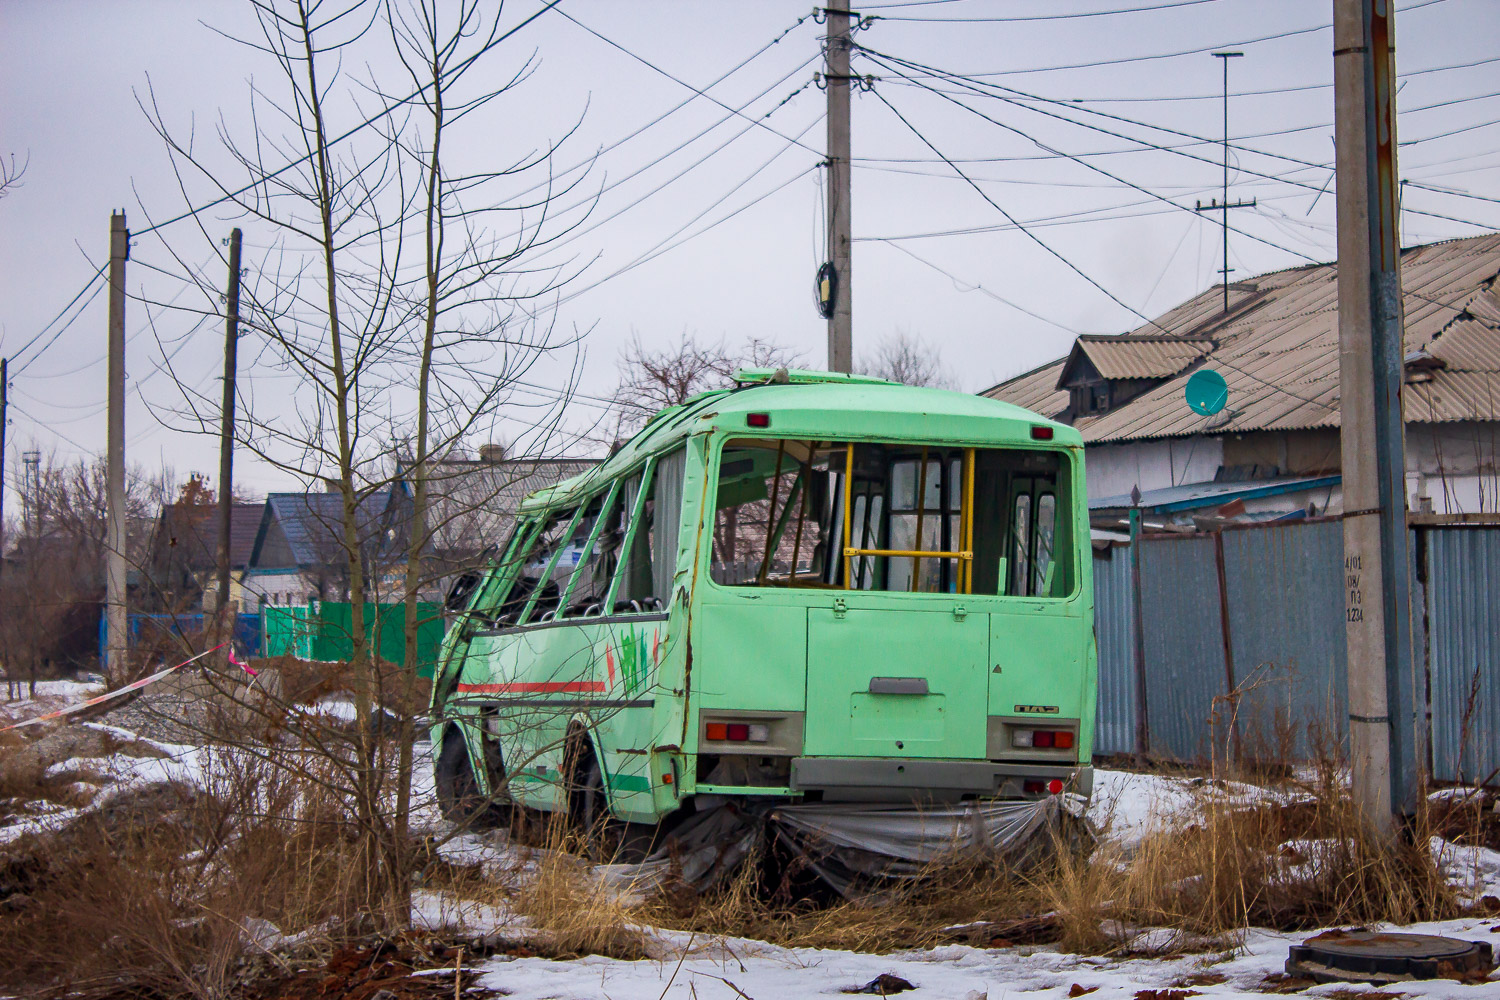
4 416
226 423
1377 568
840 239
115 625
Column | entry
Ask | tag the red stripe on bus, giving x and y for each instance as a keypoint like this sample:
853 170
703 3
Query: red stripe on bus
538 687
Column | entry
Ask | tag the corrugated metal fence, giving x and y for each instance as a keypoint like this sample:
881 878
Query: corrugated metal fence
1243 632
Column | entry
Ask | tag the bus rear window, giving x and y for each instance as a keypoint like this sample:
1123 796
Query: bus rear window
899 517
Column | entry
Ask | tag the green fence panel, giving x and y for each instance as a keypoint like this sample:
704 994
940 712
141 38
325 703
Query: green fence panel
325 632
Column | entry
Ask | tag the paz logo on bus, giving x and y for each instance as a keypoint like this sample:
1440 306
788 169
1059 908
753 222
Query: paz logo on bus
1037 710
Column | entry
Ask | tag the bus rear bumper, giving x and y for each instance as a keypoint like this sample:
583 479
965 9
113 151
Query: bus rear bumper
890 779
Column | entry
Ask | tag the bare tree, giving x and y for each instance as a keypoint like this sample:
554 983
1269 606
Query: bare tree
384 296
903 357
52 593
652 379
11 174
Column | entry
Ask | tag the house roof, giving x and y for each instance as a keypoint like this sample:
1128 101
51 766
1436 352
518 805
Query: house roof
1193 496
1134 357
1277 348
473 504
312 524
191 532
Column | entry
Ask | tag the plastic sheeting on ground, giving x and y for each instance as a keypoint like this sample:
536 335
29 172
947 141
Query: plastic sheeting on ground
850 844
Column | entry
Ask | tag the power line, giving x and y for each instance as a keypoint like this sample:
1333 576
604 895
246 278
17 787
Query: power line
1042 17
60 314
1182 52
657 69
1097 169
973 86
995 205
976 287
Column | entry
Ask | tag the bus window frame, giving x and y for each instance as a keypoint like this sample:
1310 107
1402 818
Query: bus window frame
524 618
638 510
505 572
1066 484
588 549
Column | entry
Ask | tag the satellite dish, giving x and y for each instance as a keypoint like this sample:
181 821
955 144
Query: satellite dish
1206 392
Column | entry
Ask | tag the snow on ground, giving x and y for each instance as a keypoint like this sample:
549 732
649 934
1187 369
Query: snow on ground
1128 806
768 972
119 774
50 697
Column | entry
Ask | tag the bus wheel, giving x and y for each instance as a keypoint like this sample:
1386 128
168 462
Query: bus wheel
458 792
588 803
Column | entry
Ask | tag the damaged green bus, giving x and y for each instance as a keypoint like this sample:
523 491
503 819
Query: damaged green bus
808 589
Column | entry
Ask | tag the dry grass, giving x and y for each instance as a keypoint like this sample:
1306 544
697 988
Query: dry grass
165 891
1218 869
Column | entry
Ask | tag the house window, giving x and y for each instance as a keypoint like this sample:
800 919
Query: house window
1092 397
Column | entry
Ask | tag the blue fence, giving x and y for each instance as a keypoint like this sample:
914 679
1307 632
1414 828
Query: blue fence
1256 664
154 628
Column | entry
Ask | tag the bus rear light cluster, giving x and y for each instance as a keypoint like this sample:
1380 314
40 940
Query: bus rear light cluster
1036 786
1042 739
737 732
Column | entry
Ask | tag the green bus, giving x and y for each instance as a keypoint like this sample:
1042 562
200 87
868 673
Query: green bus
809 587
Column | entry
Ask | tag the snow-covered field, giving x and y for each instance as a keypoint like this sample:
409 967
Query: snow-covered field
738 968
1127 806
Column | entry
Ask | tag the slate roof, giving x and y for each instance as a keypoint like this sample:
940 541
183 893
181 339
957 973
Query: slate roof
311 525
188 534
1140 357
1277 347
474 503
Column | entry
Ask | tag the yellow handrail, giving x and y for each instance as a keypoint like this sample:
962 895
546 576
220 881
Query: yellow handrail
848 512
966 518
849 553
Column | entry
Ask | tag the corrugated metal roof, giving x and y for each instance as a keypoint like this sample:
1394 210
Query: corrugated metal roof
1141 357
1194 495
474 504
1278 350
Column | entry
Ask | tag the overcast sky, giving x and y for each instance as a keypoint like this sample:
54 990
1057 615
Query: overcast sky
736 206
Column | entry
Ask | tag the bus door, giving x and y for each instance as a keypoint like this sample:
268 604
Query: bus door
889 675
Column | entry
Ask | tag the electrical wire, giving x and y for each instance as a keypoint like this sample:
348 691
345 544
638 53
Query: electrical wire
995 205
1182 52
60 314
1044 17
976 287
1097 169
657 69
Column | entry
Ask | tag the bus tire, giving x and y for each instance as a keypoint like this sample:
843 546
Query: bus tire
588 800
458 792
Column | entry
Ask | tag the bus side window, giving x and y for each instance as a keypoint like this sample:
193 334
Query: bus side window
600 532
635 584
666 523
537 564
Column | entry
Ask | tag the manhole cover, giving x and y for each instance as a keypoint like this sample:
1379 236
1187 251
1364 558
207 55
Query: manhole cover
1380 957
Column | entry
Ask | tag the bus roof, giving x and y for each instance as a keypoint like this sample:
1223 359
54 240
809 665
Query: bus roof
761 390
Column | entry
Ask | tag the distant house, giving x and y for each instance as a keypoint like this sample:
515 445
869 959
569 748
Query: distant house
300 554
184 554
474 501
1275 446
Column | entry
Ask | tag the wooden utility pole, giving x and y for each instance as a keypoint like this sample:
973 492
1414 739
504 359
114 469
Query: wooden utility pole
115 581
1377 568
226 423
840 241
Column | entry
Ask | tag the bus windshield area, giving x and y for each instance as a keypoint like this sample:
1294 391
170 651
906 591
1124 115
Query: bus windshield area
897 517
